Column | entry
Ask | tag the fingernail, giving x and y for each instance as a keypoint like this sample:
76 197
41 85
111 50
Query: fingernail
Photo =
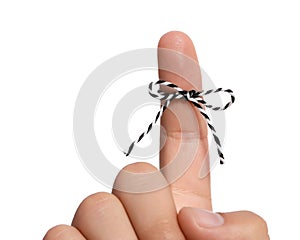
206 219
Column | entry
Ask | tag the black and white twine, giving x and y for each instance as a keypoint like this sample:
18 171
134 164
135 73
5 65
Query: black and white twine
196 98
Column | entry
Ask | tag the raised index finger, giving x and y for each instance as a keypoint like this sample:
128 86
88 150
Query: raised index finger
185 136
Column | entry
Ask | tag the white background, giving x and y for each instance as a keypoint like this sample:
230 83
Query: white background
49 48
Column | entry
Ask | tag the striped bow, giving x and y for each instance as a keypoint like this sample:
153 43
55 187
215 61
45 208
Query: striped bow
196 98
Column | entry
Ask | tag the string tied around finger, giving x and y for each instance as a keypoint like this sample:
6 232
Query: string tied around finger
194 97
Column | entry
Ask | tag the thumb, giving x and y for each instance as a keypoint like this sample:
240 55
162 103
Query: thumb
205 225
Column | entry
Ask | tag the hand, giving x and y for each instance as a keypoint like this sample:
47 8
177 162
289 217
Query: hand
182 210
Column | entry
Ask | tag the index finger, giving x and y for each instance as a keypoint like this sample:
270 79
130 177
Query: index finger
185 136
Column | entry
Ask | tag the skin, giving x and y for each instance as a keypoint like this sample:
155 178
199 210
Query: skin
173 211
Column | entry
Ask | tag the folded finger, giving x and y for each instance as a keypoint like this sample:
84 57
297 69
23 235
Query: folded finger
152 214
63 232
102 216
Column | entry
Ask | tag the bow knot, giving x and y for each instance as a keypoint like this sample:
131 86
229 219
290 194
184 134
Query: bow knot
194 97
192 94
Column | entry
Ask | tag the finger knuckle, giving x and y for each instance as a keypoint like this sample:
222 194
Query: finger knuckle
58 232
97 202
140 167
258 223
